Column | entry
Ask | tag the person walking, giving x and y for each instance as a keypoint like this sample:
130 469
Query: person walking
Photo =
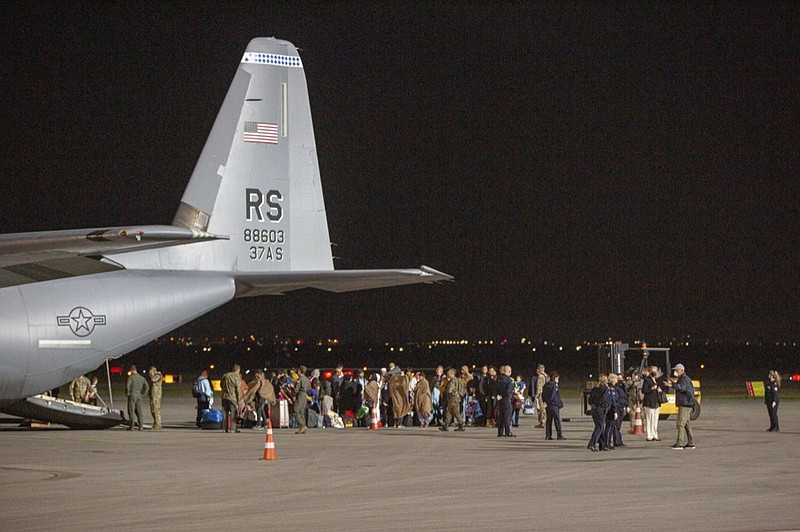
156 380
772 399
135 388
301 400
652 393
231 385
551 396
454 392
684 400
600 400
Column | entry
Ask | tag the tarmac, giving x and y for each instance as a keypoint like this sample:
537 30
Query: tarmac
182 478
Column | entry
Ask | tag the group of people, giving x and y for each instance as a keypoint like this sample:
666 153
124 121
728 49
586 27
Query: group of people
84 390
446 398
400 398
614 397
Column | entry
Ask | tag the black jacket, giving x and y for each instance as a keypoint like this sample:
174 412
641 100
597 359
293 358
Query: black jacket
600 398
622 397
551 395
771 394
650 391
504 386
684 391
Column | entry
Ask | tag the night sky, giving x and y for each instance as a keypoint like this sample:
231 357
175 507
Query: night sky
584 171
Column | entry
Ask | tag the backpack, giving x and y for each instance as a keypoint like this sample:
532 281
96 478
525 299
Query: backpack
196 393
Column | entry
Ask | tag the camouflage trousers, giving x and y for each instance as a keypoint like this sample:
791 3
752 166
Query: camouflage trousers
155 409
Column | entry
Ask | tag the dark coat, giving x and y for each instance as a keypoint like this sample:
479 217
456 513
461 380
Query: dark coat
684 391
771 392
551 395
650 391
504 386
600 399
622 397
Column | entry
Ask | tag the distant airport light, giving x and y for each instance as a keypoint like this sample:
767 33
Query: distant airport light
796 377
702 366
169 379
211 366
117 370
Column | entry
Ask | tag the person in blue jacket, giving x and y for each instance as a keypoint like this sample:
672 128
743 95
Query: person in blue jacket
612 412
622 409
772 399
684 400
600 401
551 396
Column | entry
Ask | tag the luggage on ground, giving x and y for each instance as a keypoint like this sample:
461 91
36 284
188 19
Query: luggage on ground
211 419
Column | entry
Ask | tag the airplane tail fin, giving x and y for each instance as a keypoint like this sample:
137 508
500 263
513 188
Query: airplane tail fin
257 179
256 191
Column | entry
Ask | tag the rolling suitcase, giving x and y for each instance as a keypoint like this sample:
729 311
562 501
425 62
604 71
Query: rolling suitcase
211 419
279 414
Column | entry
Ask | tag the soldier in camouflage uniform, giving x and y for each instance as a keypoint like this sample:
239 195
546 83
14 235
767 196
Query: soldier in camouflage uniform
454 391
155 396
79 389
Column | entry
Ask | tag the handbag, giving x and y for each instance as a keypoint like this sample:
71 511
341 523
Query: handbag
662 397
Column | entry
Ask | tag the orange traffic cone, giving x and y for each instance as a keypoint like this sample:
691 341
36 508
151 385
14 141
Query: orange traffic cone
637 421
375 419
269 444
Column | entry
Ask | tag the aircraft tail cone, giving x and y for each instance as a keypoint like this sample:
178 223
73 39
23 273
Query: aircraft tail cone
637 422
269 444
375 419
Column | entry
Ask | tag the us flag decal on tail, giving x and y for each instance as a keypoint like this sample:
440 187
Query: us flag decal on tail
261 132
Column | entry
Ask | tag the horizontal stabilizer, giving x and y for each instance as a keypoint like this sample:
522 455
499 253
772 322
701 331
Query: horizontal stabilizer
26 248
277 283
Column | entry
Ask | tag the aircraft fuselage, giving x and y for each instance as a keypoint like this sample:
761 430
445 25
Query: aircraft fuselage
57 329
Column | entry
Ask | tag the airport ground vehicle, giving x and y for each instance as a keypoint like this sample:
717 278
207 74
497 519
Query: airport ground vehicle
611 358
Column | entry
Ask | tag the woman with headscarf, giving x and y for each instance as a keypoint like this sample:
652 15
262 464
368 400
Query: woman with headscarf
422 400
398 390
371 392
